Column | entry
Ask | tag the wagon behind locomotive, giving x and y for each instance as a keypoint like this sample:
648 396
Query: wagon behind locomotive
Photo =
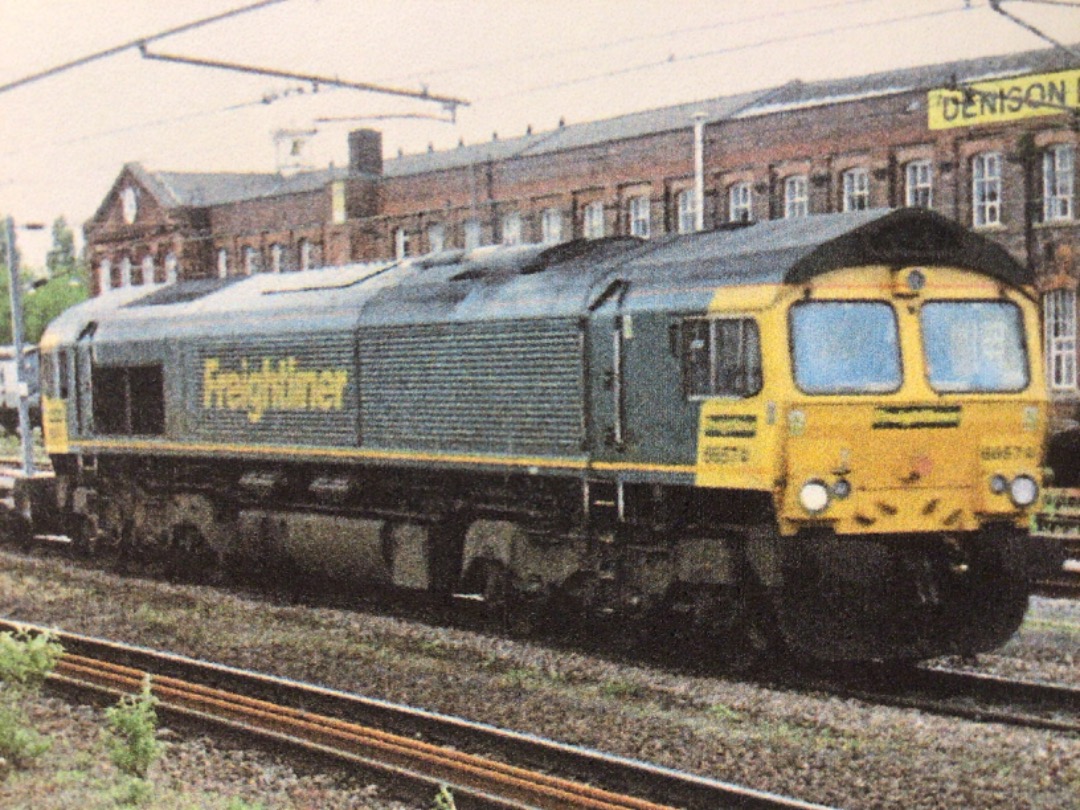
612 424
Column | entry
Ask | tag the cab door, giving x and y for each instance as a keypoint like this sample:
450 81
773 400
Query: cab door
737 425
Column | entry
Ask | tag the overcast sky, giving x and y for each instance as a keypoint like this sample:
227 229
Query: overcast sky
65 138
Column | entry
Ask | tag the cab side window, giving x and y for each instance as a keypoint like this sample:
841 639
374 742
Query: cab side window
720 357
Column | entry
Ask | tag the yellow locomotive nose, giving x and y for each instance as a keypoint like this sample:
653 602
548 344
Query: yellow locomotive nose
856 471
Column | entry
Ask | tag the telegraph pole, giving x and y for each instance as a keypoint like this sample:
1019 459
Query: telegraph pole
17 340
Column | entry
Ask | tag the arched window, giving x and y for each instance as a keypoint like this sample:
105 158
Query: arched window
276 254
172 268
125 272
511 229
401 243
104 275
551 226
305 254
222 263
641 217
251 261
473 234
986 189
856 190
796 197
593 224
148 269
686 210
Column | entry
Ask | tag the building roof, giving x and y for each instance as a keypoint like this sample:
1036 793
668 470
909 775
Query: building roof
197 189
200 189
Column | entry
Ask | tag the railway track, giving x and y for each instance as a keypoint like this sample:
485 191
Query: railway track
402 744
968 695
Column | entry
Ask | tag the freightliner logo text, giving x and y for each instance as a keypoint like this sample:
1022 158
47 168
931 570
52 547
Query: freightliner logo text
273 385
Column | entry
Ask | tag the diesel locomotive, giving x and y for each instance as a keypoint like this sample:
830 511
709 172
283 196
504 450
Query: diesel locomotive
823 435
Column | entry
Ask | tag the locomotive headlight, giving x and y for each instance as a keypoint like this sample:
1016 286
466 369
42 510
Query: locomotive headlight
1023 490
814 496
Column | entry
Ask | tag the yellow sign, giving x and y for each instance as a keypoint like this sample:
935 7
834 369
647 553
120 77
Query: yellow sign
54 425
276 385
1003 100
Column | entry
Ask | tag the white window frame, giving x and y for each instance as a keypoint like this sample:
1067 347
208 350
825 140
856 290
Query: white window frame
593 221
796 196
277 254
306 256
250 260
986 189
473 234
147 267
436 237
551 226
172 268
512 228
641 216
401 245
686 211
919 184
104 275
1059 172
223 263
1059 317
741 202
125 272
856 185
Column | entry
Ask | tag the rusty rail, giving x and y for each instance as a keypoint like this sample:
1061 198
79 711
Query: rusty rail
405 747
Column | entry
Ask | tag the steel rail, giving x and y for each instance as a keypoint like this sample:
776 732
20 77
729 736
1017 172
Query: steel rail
338 723
950 692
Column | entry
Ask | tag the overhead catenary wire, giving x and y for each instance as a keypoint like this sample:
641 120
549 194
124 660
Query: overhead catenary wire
673 59
135 43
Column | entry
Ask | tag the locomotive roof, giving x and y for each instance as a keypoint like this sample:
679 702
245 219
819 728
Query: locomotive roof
494 283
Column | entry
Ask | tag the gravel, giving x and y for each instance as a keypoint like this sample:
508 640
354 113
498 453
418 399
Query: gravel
817 747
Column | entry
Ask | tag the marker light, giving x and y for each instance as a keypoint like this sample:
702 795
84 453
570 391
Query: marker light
1023 490
814 496
998 484
842 488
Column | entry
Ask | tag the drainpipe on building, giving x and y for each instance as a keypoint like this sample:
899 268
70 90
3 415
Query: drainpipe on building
699 171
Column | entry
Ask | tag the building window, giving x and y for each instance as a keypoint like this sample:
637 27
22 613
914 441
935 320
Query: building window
307 254
640 216
986 189
919 184
511 229
125 272
551 226
1058 174
796 201
436 237
594 220
721 358
251 261
222 263
147 268
856 190
740 203
401 245
172 267
105 275
472 235
686 211
277 252
1059 310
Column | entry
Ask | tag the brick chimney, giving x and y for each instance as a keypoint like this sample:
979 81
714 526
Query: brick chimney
365 151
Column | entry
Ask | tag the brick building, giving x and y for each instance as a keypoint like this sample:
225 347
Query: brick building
1002 161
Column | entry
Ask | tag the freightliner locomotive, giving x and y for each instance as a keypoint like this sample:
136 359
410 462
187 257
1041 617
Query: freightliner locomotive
822 435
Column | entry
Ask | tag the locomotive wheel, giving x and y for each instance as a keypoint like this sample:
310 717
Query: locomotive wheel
189 556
